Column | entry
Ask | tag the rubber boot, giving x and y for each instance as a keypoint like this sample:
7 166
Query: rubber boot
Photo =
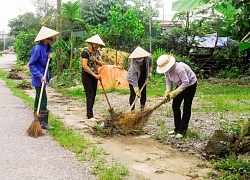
45 118
40 119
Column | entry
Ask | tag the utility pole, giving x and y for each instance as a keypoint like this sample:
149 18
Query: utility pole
3 40
150 24
163 11
59 37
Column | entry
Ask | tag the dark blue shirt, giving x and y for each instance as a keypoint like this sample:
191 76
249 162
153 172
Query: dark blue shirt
37 64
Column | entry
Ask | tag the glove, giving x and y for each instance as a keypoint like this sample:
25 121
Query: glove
166 94
174 93
137 92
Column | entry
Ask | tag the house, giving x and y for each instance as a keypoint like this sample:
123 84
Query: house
3 34
167 25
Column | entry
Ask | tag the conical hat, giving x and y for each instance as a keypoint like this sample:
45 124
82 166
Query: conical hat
95 39
139 52
45 33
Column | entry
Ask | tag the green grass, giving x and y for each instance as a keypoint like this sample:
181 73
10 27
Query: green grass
156 86
232 168
225 96
75 93
16 91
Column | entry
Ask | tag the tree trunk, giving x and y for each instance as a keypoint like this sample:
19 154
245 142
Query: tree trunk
71 48
59 36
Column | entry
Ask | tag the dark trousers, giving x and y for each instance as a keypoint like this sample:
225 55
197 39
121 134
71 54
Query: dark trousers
181 123
43 105
90 86
143 93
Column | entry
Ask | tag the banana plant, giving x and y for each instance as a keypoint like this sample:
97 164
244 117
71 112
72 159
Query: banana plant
71 11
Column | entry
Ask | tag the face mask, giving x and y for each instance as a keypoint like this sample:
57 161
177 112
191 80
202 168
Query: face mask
140 60
49 40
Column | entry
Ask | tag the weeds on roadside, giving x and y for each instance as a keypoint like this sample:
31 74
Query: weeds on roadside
162 131
87 151
234 126
191 134
232 168
115 172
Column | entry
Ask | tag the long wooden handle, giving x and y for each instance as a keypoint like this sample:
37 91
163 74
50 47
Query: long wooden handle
137 96
160 103
41 92
105 94
103 88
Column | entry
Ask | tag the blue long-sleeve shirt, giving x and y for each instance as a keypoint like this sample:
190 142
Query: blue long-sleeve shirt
37 64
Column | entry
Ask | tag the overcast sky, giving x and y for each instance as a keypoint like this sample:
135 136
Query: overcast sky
10 9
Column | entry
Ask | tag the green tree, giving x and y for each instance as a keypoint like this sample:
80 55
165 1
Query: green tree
237 13
71 12
122 30
43 7
96 12
24 44
23 22
141 9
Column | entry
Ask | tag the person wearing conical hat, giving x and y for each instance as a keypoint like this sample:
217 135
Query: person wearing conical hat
139 70
182 75
91 59
40 55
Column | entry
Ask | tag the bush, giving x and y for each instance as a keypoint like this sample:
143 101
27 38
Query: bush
155 55
23 46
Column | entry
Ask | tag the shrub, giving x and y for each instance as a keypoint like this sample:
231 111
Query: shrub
23 46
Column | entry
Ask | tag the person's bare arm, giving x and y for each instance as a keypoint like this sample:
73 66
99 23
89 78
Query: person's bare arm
88 70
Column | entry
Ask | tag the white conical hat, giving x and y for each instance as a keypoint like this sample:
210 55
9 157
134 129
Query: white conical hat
95 39
139 52
45 33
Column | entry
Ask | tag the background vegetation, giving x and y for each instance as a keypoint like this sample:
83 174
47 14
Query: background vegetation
123 25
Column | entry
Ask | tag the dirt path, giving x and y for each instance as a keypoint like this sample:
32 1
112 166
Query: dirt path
145 157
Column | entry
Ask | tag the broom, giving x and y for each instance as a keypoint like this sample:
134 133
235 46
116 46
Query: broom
111 110
131 122
35 129
137 96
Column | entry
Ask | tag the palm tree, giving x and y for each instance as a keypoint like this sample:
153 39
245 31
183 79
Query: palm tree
72 12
